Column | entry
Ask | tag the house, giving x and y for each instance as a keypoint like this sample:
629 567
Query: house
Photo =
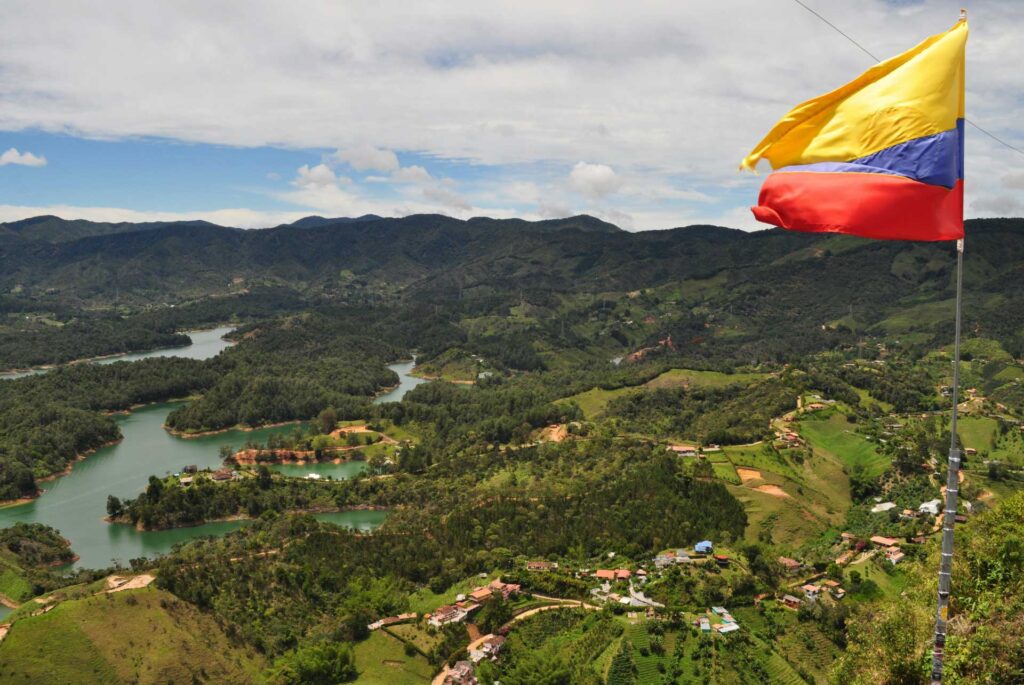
895 555
703 547
705 624
641 574
480 594
684 450
727 628
882 541
505 589
186 481
719 610
540 566
191 468
622 574
932 507
460 674
908 514
604 574
882 507
834 589
448 613
970 451
811 591
223 474
721 560
790 566
791 601
847 537
488 649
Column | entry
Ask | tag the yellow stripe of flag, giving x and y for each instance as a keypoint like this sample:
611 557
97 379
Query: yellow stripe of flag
915 94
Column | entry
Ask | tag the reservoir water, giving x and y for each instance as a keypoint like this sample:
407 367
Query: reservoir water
205 344
75 504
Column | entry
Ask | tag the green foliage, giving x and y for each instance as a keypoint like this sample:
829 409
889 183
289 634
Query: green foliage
329 663
35 544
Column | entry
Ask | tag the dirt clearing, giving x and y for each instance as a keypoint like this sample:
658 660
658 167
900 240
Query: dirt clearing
747 475
773 490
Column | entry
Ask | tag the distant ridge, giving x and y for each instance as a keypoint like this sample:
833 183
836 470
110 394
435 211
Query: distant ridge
315 221
53 229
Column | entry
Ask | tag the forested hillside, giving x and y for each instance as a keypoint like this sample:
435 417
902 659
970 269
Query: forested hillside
593 405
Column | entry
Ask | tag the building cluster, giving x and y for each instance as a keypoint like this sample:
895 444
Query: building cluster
464 672
191 472
467 604
461 673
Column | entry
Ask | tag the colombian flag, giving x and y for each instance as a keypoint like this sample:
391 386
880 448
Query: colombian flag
881 157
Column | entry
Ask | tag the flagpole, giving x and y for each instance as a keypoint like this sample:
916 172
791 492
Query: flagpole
952 488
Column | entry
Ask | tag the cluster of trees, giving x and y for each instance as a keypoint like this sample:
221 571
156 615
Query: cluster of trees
35 544
292 369
167 504
31 559
79 339
496 411
579 501
48 420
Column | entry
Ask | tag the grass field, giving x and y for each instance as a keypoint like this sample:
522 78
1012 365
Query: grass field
593 402
726 472
835 435
12 581
890 584
381 660
141 636
978 432
754 456
675 378
416 634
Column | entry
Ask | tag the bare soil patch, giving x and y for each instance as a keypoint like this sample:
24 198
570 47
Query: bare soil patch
747 475
773 490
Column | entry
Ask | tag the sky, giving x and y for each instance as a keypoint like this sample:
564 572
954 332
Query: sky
254 113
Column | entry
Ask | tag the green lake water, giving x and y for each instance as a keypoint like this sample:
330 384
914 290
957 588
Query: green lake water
75 504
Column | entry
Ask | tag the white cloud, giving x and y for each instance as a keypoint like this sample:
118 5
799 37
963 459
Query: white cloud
998 206
594 180
1015 180
317 176
669 100
235 217
367 158
12 156
412 174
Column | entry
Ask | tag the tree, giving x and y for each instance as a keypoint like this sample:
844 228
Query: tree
328 419
114 507
495 614
323 664
263 478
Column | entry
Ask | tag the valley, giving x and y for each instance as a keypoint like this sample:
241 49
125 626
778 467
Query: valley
585 409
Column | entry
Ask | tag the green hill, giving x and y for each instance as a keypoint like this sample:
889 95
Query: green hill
144 636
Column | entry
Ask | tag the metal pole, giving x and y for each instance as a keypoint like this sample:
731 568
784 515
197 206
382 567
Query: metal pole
952 487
